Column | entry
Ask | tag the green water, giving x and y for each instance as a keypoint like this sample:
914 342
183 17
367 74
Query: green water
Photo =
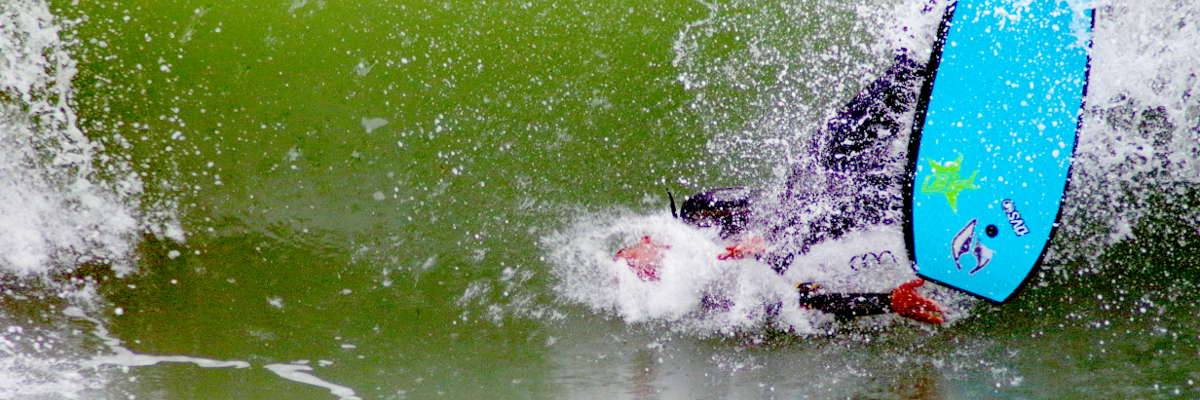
406 255
502 120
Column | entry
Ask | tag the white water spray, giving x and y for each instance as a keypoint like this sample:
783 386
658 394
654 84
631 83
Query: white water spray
56 211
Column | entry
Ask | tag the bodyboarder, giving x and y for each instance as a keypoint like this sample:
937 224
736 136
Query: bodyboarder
854 182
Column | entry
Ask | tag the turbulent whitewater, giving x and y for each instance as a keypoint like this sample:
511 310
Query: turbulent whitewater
1139 147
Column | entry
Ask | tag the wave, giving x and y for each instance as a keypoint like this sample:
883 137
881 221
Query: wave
70 212
63 201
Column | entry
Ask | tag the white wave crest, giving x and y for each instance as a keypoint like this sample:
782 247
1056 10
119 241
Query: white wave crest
62 201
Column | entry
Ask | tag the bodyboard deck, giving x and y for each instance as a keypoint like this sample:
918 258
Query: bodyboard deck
993 141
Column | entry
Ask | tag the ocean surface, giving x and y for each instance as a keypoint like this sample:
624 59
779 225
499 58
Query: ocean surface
319 199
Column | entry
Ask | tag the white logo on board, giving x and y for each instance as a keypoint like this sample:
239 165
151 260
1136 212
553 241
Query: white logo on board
1014 217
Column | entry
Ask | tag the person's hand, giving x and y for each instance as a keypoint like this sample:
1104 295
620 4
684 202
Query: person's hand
644 258
909 304
749 246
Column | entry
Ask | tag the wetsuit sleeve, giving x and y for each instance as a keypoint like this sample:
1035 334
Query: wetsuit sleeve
848 305
857 176
854 140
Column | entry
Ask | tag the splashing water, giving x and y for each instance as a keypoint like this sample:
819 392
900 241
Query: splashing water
62 201
699 294
790 100
1140 144
756 78
1139 149
589 275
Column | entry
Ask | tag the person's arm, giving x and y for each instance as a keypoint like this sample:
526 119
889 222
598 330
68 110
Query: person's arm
748 245
903 300
848 305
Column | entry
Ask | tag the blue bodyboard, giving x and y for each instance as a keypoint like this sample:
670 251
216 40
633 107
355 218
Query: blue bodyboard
993 141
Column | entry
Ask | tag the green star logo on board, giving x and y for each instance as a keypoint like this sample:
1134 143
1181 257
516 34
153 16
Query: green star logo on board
946 180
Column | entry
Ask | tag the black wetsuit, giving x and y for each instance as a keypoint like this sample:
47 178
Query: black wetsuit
842 305
854 180
863 181
848 305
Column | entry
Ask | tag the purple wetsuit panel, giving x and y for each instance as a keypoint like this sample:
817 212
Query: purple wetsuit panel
856 177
